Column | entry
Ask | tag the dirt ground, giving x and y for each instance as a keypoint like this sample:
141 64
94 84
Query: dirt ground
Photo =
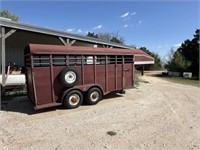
156 115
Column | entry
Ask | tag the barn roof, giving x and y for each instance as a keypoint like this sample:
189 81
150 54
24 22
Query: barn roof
43 30
140 56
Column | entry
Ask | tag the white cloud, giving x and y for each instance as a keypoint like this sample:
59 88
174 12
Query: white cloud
125 26
79 31
162 46
139 23
70 30
124 15
97 27
83 31
177 45
127 15
133 13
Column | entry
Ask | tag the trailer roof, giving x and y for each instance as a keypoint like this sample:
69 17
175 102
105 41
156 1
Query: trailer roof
59 49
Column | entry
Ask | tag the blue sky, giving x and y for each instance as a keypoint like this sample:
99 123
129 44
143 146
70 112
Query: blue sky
157 25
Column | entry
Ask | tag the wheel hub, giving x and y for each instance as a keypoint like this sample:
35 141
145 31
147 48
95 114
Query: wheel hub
70 77
74 99
94 96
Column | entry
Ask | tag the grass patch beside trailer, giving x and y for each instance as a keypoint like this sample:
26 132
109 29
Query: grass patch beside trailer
181 80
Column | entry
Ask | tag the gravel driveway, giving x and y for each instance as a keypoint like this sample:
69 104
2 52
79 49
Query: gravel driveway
157 115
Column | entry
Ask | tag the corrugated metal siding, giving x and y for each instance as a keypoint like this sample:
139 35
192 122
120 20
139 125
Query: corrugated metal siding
16 43
80 43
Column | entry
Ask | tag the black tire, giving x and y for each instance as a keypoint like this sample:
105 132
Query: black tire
69 77
93 96
73 99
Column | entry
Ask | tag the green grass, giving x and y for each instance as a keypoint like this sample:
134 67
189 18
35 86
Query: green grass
137 79
181 80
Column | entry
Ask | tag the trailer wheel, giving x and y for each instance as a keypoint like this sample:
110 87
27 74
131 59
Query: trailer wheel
73 99
69 77
94 95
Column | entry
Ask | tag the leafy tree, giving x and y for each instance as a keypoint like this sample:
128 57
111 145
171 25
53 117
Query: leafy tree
157 60
91 34
145 50
105 36
190 50
9 15
111 37
177 62
117 40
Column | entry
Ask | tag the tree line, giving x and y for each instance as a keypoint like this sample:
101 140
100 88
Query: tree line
9 15
186 57
114 37
110 37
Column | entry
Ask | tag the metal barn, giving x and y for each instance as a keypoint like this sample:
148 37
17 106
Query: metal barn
15 36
